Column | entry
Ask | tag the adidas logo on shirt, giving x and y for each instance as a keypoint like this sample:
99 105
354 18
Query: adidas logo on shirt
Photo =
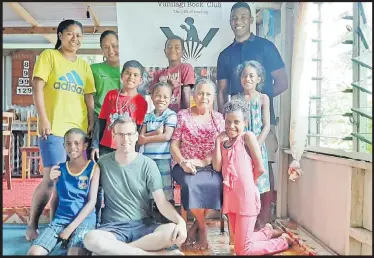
70 82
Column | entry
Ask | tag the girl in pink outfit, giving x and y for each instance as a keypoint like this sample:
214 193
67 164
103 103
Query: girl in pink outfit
238 155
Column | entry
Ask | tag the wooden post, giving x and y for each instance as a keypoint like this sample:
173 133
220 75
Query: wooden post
283 128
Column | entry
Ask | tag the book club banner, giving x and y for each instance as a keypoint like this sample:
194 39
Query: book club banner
143 29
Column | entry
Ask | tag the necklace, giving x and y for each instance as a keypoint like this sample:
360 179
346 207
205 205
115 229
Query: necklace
123 106
251 96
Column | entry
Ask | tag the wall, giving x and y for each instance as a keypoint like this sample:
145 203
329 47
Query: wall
331 196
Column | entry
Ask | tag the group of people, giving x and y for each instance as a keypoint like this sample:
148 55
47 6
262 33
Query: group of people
93 121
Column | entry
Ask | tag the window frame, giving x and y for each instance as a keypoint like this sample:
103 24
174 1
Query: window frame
359 100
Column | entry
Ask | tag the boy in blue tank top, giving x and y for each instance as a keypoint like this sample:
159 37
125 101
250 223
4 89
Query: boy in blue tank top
74 198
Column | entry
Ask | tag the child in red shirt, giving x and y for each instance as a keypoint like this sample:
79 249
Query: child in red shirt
182 75
124 102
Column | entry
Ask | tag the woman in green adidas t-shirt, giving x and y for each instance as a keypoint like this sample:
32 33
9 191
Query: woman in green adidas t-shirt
107 77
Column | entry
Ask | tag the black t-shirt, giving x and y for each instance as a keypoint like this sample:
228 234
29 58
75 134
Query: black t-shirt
255 48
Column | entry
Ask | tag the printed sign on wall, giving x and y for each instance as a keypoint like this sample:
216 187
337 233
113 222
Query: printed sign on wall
24 82
204 27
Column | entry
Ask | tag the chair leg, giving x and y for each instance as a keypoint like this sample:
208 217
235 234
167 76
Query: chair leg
222 224
8 172
28 169
24 160
183 213
40 166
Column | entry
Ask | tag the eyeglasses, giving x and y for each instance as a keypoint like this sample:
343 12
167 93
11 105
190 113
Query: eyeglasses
122 135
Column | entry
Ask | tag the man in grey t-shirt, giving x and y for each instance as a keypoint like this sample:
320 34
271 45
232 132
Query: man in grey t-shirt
128 178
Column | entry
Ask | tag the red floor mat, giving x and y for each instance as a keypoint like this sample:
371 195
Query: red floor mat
21 193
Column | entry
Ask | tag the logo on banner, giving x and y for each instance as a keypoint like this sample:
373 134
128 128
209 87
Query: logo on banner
193 45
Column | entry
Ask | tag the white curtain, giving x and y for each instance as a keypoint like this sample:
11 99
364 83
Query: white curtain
302 72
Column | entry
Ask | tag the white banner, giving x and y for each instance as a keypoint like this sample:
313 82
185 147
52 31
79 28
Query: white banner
143 29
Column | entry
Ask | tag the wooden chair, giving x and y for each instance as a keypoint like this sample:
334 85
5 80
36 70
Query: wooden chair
7 147
184 215
28 149
183 211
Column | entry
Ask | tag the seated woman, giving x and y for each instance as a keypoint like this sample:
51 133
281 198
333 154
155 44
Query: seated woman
191 148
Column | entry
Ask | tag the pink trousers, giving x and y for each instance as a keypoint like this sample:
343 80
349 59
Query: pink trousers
248 242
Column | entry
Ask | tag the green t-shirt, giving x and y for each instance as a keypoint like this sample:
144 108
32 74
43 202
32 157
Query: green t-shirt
106 78
127 188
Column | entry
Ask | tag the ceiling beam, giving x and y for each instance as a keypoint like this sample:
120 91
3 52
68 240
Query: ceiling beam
45 45
53 30
94 18
37 51
21 11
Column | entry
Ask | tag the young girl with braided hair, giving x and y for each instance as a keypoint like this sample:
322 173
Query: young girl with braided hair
237 154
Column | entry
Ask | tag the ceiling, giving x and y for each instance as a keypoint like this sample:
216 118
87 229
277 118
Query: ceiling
50 14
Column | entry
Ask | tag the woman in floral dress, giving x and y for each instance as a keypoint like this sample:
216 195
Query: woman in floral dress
191 148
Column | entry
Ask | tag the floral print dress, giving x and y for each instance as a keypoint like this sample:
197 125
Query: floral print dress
197 141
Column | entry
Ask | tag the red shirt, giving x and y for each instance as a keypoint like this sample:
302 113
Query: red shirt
136 106
182 74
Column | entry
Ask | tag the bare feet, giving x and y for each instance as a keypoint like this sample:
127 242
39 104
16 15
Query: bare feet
192 234
289 240
275 232
259 225
269 226
202 242
31 233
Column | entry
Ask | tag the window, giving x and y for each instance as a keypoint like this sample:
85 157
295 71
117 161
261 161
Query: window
362 85
340 108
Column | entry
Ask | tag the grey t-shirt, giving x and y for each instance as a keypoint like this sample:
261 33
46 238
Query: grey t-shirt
127 188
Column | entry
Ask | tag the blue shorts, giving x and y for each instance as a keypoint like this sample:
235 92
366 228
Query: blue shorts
52 150
48 239
132 230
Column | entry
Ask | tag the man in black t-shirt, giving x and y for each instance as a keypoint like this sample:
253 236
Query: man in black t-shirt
246 47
